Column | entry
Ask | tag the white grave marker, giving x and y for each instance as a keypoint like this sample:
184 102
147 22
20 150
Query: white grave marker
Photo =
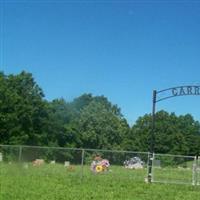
67 163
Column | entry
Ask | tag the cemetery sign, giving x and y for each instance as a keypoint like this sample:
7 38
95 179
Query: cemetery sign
160 96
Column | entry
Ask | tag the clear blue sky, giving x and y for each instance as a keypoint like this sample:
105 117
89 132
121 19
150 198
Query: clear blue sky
120 49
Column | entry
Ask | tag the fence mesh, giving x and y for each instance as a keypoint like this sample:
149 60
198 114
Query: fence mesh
173 169
65 163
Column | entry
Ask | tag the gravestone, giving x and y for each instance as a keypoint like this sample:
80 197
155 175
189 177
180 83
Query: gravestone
67 163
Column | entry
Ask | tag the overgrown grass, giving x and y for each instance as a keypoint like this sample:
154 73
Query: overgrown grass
55 182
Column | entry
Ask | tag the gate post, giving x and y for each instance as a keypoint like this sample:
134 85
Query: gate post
198 171
150 163
152 138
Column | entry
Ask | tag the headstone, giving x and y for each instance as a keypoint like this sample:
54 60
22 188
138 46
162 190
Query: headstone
67 163
38 162
25 166
53 162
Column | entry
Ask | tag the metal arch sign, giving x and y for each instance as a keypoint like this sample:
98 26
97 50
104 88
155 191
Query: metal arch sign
159 96
177 91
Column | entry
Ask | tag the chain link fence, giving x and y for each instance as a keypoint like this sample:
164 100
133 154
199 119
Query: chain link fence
174 169
98 164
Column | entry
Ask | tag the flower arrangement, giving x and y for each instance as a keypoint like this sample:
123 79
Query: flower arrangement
99 165
134 163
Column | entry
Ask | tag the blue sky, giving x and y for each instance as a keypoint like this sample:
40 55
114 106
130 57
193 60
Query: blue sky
120 49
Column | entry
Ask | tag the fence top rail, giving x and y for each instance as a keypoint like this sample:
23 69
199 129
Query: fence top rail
98 150
39 147
76 149
117 151
171 155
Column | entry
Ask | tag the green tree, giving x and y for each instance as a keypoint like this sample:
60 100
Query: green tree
100 126
22 110
173 134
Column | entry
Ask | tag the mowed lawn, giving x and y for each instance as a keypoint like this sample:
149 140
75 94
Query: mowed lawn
52 182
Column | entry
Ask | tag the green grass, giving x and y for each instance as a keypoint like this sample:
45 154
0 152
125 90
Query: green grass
54 182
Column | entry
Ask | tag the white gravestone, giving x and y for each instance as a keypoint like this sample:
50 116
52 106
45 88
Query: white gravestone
67 163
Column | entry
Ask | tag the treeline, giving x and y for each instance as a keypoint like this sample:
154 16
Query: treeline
27 118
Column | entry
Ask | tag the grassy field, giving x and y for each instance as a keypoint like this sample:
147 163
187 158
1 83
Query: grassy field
54 182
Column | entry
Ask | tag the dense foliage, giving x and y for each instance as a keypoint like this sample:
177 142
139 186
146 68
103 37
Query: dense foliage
86 122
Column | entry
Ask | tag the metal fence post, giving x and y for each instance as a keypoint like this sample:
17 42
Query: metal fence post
20 154
82 162
194 171
198 170
152 170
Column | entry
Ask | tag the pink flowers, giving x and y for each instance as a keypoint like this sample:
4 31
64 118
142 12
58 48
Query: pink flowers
105 163
100 165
